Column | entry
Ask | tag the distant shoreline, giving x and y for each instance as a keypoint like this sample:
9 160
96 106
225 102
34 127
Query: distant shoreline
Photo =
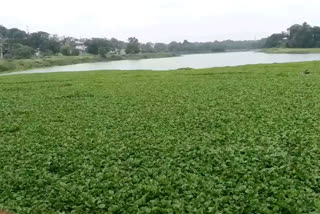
7 66
290 50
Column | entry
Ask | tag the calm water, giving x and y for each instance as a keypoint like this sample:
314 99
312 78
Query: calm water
192 61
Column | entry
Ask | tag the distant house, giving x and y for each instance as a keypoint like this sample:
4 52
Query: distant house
118 52
37 52
122 52
79 45
284 42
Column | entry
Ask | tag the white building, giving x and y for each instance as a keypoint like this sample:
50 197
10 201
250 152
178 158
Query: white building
79 45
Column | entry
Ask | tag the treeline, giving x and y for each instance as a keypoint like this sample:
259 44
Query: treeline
18 44
297 36
207 47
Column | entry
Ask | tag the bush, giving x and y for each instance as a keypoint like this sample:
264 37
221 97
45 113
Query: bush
21 52
102 52
6 66
66 50
218 49
115 57
75 52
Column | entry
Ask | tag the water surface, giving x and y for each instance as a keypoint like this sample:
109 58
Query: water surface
192 61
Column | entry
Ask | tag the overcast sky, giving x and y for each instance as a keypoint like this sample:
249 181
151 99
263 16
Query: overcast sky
159 20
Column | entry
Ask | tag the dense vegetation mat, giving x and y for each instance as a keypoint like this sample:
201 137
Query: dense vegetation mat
224 140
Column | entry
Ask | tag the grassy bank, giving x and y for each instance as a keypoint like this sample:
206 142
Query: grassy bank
144 56
291 50
25 64
223 140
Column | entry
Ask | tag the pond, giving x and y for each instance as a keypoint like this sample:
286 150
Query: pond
191 61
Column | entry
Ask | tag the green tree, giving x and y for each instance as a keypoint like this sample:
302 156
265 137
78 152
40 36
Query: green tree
66 50
276 40
174 46
16 36
300 36
20 51
147 48
102 52
54 44
133 46
160 47
316 36
38 40
117 44
75 52
187 46
3 32
96 44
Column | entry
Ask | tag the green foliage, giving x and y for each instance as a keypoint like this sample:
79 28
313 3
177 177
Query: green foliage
38 40
216 46
44 42
68 50
102 52
276 40
218 49
298 36
21 52
6 66
147 48
133 46
75 52
97 45
54 45
117 44
223 140
16 36
160 47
